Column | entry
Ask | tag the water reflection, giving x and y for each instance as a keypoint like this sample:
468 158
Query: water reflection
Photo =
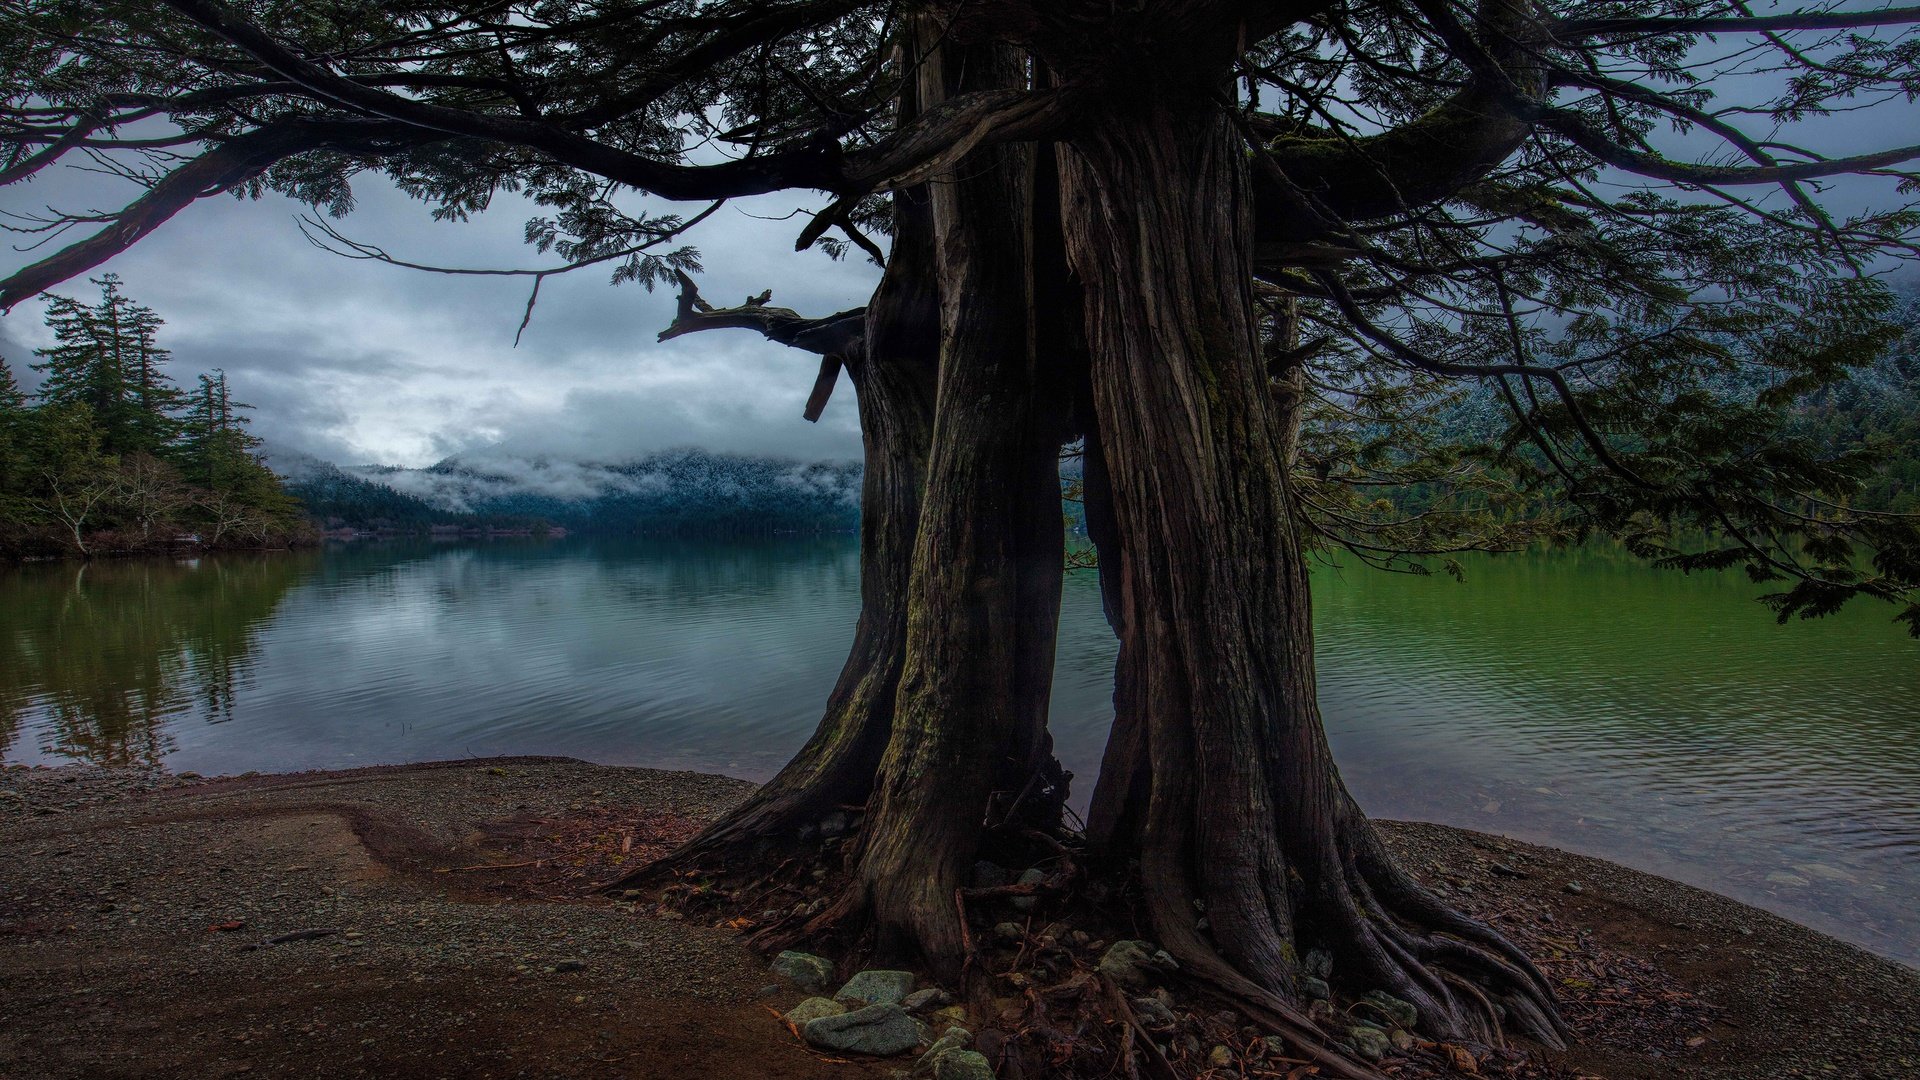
102 653
1573 698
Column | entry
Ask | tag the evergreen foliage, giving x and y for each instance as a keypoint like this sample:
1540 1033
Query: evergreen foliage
114 458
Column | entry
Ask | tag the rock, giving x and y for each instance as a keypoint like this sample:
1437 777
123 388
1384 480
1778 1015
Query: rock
1319 963
1320 1010
767 991
1506 871
878 1030
835 824
952 1014
956 1038
1402 1013
1154 1014
1370 1042
962 1065
1135 963
1573 887
804 970
1220 1057
570 965
876 986
988 875
813 1009
1401 1039
931 998
1031 876
1315 988
1008 931
1276 1045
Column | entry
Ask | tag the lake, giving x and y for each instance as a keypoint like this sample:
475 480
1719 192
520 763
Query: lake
1571 698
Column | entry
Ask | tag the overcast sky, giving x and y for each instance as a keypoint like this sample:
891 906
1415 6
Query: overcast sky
359 362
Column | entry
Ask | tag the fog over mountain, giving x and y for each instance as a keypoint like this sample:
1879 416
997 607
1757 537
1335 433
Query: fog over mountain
677 490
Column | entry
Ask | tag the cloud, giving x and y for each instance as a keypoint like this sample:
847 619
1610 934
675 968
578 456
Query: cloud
360 362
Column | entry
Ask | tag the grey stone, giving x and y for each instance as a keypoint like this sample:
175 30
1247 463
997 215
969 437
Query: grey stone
1276 1045
962 1065
1008 931
835 824
1402 1013
876 986
1319 963
1135 963
1574 888
1315 988
879 1030
804 970
988 875
931 998
813 1009
570 965
1369 1042
1401 1039
1154 1014
1031 876
956 1038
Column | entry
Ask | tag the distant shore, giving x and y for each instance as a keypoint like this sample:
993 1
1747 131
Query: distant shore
137 903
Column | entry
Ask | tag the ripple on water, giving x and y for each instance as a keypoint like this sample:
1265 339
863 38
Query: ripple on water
1571 698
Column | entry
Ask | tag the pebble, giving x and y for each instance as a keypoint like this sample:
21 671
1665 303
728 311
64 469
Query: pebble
1135 963
1033 876
570 965
931 998
1574 888
962 1065
1369 1042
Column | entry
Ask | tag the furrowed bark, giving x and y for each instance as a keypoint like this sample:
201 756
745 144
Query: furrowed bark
969 737
1244 816
894 370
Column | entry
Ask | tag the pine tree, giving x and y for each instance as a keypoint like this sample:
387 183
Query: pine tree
108 358
215 446
13 419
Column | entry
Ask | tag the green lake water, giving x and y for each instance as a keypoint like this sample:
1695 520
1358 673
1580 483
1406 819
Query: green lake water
1572 698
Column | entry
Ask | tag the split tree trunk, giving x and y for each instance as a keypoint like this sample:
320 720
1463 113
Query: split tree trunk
894 376
969 745
1219 781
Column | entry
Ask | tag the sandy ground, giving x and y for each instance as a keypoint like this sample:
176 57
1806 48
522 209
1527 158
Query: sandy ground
139 915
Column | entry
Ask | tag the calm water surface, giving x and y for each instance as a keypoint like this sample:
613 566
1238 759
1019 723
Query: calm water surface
1573 698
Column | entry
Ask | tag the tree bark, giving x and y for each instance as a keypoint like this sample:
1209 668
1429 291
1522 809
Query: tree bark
894 373
1244 817
969 745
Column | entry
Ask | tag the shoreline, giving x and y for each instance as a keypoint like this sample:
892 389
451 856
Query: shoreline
119 881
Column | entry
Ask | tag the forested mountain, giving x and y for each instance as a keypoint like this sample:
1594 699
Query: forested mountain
677 491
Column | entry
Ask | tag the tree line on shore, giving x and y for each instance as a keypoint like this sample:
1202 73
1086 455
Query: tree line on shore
110 455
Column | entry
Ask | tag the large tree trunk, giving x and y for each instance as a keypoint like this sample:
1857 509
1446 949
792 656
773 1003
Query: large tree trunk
1221 784
969 745
894 376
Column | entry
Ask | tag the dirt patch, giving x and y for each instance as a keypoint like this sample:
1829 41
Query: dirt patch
137 911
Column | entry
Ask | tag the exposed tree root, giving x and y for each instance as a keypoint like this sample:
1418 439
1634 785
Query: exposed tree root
1042 1007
